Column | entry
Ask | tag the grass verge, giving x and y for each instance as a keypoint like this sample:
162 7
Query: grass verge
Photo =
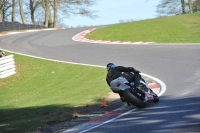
175 29
43 92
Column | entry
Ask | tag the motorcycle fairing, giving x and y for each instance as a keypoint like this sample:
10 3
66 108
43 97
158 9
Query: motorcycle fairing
119 84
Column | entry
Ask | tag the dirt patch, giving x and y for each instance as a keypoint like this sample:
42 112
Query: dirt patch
84 115
112 102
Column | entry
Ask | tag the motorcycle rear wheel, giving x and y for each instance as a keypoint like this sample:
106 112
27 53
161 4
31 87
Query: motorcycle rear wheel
133 99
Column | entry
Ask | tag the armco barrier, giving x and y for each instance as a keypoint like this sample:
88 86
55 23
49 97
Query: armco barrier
7 66
8 26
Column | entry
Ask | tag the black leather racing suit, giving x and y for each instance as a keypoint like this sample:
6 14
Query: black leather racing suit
117 71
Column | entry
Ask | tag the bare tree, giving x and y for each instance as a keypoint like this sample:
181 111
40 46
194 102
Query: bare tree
13 10
53 10
175 7
66 8
183 6
5 5
169 7
190 6
33 6
22 12
81 7
50 22
73 7
196 5
45 5
1 10
55 13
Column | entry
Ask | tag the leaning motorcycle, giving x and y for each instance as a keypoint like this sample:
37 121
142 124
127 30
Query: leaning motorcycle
134 96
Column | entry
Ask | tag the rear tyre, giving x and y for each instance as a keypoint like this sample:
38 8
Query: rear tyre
134 99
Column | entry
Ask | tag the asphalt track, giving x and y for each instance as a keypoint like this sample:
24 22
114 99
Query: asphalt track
176 65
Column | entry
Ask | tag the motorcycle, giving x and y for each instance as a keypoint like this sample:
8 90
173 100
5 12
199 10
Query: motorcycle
134 96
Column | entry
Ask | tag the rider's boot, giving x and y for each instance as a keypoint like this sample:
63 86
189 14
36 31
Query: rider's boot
122 99
128 104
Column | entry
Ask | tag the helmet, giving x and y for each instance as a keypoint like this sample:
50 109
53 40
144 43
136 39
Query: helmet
110 65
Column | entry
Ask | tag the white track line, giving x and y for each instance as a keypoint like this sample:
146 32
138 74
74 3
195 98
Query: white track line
108 121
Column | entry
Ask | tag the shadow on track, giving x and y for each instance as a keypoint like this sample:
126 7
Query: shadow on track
178 115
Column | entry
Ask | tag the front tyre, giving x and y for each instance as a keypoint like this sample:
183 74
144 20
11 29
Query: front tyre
134 99
155 99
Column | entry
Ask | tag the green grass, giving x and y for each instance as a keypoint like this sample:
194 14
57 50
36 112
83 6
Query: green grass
175 29
43 92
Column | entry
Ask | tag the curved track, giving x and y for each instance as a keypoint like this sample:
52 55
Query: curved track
176 65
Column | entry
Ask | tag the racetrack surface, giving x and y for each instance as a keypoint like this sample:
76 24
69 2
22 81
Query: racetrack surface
176 65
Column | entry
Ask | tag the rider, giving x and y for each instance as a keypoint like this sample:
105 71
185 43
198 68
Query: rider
116 73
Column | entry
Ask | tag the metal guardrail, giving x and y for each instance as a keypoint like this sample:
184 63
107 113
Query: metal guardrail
8 26
7 66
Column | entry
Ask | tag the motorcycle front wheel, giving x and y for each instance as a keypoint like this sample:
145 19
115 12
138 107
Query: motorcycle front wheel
134 99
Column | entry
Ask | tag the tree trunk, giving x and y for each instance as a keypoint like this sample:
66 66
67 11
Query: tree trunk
190 6
13 10
55 14
44 4
32 12
22 12
50 22
183 6
0 15
1 11
197 5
